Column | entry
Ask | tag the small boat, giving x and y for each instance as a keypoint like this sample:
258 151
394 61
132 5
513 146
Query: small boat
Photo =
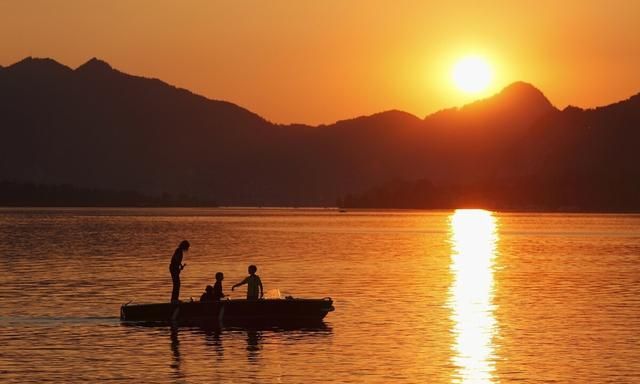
228 312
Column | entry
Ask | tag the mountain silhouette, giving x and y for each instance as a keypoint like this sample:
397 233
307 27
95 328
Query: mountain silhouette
96 127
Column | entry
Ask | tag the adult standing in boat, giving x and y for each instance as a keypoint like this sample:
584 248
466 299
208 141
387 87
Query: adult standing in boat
176 267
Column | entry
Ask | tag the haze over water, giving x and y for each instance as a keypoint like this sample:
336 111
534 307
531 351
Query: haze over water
444 297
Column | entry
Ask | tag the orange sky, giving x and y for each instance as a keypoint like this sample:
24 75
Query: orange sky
317 62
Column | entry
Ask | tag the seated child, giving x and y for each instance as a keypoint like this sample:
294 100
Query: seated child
207 296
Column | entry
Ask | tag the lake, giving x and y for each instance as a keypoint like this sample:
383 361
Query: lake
466 296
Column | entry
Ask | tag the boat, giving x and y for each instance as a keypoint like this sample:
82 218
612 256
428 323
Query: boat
286 311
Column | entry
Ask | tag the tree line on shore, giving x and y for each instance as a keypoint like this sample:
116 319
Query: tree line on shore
16 194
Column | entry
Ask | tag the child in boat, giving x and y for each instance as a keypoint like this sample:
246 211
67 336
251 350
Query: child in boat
217 287
207 296
253 284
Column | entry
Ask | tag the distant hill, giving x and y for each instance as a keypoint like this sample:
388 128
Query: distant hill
96 127
14 194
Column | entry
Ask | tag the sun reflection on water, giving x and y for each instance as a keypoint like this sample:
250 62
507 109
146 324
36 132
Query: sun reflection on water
473 241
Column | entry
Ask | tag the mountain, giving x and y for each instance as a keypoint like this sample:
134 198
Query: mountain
96 127
575 159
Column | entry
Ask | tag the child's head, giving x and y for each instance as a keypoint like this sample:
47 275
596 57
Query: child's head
219 276
209 289
253 269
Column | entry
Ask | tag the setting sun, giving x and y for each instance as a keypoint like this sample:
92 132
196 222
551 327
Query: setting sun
472 74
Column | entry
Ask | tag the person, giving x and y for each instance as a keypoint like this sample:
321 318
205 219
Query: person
207 296
217 287
176 267
253 284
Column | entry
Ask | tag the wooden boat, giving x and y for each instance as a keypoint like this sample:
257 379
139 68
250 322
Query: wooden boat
237 311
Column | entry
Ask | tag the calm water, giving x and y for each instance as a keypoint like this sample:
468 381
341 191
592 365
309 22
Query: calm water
440 297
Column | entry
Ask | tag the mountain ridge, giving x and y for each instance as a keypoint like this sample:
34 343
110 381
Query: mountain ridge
521 89
97 127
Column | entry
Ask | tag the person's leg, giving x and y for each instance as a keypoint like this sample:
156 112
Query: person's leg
176 287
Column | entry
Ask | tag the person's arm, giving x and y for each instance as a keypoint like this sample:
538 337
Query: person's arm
240 283
180 261
177 259
260 285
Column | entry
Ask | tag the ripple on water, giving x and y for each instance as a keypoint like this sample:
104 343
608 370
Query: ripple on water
556 298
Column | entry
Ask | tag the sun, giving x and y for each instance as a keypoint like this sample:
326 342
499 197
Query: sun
472 74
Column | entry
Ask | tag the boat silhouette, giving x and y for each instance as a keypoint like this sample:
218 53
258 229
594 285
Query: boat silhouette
288 311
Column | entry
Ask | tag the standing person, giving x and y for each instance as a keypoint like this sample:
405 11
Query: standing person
253 284
176 267
217 287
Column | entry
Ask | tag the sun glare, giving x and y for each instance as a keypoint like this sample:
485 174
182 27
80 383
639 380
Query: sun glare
472 74
473 239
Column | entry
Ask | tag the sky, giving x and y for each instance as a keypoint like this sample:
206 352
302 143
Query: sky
321 61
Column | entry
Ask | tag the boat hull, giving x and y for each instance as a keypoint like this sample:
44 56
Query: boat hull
269 311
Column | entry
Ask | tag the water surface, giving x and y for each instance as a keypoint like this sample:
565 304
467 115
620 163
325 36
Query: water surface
440 297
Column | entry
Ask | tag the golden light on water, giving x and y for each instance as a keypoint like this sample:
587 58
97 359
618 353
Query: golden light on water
473 240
